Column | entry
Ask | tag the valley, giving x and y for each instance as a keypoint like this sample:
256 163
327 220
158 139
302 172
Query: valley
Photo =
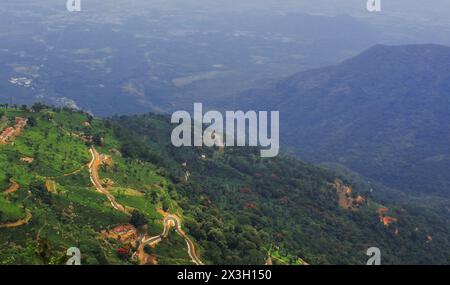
382 114
357 161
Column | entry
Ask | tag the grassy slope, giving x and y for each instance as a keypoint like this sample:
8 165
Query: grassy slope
56 153
234 206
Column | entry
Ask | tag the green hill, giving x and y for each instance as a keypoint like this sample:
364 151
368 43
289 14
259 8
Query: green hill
235 207
383 114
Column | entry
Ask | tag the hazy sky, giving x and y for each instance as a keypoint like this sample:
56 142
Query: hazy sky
437 11
430 9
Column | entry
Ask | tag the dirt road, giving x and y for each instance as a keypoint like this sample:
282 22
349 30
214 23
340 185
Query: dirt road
20 222
93 171
174 221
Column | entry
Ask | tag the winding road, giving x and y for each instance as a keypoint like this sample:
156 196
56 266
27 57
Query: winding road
168 221
13 187
20 222
174 221
93 171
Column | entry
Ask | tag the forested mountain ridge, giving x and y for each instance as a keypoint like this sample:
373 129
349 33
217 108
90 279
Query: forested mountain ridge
383 114
109 187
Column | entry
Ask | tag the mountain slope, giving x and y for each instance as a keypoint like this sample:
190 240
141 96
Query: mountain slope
383 114
111 187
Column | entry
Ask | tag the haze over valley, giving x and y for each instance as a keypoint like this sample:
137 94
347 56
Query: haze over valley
89 160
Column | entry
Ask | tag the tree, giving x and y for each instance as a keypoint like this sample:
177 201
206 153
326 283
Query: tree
108 124
97 139
48 116
37 107
40 192
152 196
138 219
165 205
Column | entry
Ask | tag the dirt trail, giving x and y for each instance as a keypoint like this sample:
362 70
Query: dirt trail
169 220
20 222
10 133
66 174
143 257
93 171
174 221
13 187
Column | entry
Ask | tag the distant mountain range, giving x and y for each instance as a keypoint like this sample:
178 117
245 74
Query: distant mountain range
384 114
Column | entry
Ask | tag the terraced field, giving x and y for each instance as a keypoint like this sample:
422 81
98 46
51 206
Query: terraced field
56 204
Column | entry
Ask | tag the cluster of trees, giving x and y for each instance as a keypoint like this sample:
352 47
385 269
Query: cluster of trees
237 204
133 146
138 219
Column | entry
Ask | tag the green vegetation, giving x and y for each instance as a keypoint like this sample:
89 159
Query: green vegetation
9 211
166 253
235 206
383 114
